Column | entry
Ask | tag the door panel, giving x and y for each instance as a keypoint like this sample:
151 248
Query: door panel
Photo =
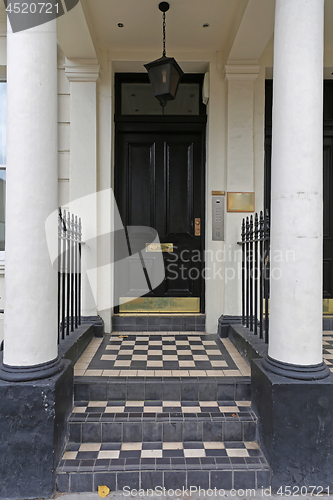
160 184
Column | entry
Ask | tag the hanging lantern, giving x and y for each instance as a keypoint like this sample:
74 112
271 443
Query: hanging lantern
164 73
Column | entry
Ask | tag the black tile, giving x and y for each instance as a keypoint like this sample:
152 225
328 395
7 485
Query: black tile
81 392
249 431
98 392
171 391
132 432
190 391
92 433
263 479
117 391
151 479
82 482
172 432
75 432
130 454
207 391
198 478
112 432
192 431
244 479
105 479
212 431
174 480
135 391
173 454
243 392
226 392
142 321
130 479
221 479
216 453
86 455
152 431
232 431
63 483
154 391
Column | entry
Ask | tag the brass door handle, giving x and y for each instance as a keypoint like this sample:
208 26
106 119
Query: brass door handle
159 247
197 227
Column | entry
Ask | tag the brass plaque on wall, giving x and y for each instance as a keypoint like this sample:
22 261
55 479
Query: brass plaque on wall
161 305
240 202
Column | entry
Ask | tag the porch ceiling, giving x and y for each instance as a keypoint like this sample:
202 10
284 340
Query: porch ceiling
143 24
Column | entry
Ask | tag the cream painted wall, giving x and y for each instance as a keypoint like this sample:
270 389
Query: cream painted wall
63 132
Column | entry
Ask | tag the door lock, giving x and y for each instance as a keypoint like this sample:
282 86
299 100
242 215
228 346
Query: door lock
197 227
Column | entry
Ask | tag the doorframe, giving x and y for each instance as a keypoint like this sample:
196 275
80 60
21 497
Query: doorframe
169 123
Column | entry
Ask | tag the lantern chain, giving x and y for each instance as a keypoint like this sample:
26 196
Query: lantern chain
164 24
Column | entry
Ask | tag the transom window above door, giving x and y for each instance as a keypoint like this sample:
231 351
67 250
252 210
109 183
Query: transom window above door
137 98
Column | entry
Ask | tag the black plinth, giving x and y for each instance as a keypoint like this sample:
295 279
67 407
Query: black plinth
295 427
33 433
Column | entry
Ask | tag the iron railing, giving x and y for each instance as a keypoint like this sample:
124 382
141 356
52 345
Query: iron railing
255 274
69 273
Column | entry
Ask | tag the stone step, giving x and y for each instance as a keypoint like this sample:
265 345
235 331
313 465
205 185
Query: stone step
125 421
162 388
133 465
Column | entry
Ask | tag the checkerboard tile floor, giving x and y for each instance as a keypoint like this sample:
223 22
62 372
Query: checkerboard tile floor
328 349
161 455
109 411
179 355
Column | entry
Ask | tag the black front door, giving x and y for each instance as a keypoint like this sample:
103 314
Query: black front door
159 183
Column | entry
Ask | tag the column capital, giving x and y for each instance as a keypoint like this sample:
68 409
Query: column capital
242 70
82 70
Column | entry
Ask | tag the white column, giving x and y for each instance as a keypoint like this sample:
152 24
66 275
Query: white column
31 190
83 75
240 171
297 166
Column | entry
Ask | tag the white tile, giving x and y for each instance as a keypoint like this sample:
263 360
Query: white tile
180 373
217 363
151 453
198 373
243 403
200 357
131 446
79 409
109 357
186 364
69 455
193 453
111 373
154 364
208 403
139 357
229 409
123 362
251 445
172 446
115 409
128 373
135 403
237 452
171 403
97 404
93 373
213 445
152 409
191 409
90 447
170 357
108 454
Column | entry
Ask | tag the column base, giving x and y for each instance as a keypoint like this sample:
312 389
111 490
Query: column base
295 422
25 373
299 372
33 433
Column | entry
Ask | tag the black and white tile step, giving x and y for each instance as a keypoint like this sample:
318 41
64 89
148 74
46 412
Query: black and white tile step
151 355
119 421
205 464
